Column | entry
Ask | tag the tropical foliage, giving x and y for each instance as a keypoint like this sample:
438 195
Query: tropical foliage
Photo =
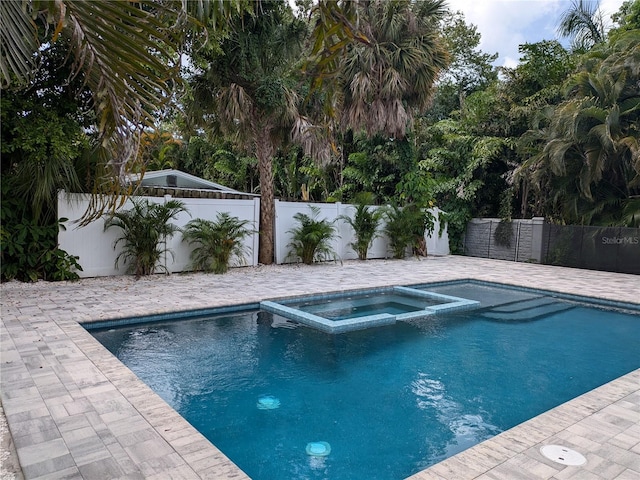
375 165
389 97
249 91
29 250
405 227
336 26
146 227
390 80
627 18
590 156
44 141
311 238
364 222
583 23
129 56
468 71
217 243
44 145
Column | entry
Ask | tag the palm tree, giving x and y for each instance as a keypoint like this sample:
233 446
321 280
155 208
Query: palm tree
216 242
583 24
249 92
337 26
128 54
145 230
592 141
386 82
365 222
405 227
312 237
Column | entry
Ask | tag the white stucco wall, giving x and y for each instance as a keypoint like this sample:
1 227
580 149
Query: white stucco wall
436 245
94 246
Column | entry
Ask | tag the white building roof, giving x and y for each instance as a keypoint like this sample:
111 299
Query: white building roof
171 178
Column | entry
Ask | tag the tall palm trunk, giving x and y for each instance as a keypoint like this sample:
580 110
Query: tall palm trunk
264 152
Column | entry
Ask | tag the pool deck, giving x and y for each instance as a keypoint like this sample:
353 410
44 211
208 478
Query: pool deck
74 411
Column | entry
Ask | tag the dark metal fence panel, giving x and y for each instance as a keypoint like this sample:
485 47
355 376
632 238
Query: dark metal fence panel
562 246
613 249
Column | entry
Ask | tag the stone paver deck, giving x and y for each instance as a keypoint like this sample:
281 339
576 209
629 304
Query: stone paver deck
74 411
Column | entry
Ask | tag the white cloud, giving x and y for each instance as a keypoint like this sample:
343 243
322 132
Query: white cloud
510 62
609 7
506 24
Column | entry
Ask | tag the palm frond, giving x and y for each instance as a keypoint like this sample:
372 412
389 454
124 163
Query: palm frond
365 223
129 55
145 228
217 243
387 82
336 28
311 238
583 23
18 43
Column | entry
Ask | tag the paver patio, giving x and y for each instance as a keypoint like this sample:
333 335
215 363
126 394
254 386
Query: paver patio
74 411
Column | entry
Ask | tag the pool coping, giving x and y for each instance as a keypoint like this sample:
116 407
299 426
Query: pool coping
145 437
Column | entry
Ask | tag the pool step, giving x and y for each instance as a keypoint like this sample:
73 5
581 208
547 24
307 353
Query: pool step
527 311
524 304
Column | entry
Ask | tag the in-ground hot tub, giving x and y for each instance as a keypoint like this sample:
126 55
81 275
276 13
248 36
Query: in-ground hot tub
344 312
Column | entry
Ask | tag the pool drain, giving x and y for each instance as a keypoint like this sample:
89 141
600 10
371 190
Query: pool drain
563 455
268 402
318 449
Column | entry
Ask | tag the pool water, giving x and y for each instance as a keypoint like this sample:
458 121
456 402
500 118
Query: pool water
388 401
355 307
341 312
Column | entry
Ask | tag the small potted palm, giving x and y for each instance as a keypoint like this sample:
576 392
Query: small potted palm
311 238
217 243
365 223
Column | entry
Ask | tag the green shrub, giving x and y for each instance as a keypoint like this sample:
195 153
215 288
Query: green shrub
312 238
406 227
216 242
455 219
29 252
365 224
145 231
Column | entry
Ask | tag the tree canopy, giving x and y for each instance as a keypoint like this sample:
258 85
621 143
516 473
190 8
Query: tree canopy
393 98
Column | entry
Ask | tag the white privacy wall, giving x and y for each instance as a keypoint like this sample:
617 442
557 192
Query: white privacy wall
285 211
94 245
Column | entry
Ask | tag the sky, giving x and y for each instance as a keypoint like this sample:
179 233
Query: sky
506 24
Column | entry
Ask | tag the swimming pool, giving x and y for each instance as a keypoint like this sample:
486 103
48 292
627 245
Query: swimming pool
390 400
